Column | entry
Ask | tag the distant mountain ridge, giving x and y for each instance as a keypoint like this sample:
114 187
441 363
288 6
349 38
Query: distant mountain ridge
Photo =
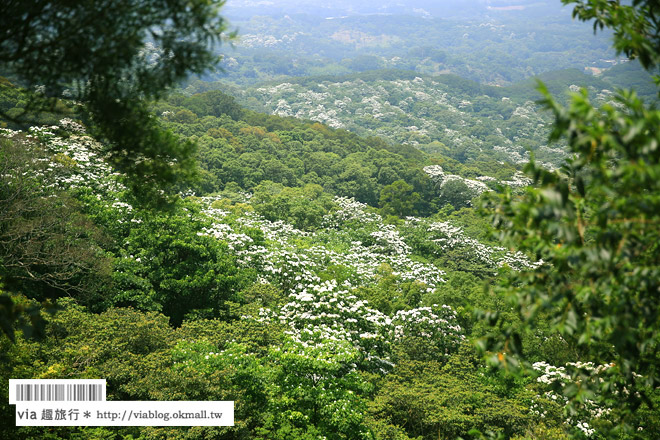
424 8
493 46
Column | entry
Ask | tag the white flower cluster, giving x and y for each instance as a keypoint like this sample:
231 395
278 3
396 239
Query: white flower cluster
440 178
256 40
447 236
329 312
275 231
537 409
486 179
366 262
7 133
372 107
76 161
519 180
349 210
585 428
324 312
266 92
225 233
292 268
122 206
551 375
284 262
390 241
292 271
512 153
43 132
525 111
72 126
438 324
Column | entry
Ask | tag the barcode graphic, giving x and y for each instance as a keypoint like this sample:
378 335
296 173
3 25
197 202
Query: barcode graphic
82 392
39 392
57 391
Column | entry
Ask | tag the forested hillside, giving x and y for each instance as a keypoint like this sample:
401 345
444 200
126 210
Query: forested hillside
383 237
253 269
442 114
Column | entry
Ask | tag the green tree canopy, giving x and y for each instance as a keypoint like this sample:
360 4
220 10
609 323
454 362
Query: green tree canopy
456 193
398 199
113 56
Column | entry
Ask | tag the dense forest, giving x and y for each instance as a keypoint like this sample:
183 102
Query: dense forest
374 223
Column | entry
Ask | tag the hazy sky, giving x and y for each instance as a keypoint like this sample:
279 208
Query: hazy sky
428 8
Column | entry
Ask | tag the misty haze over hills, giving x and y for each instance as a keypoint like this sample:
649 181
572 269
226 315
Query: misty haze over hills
423 8
495 42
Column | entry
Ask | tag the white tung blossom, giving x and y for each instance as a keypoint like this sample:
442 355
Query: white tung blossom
437 175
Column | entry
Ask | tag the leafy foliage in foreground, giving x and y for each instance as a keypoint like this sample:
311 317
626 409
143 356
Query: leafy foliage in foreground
596 225
114 64
595 222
